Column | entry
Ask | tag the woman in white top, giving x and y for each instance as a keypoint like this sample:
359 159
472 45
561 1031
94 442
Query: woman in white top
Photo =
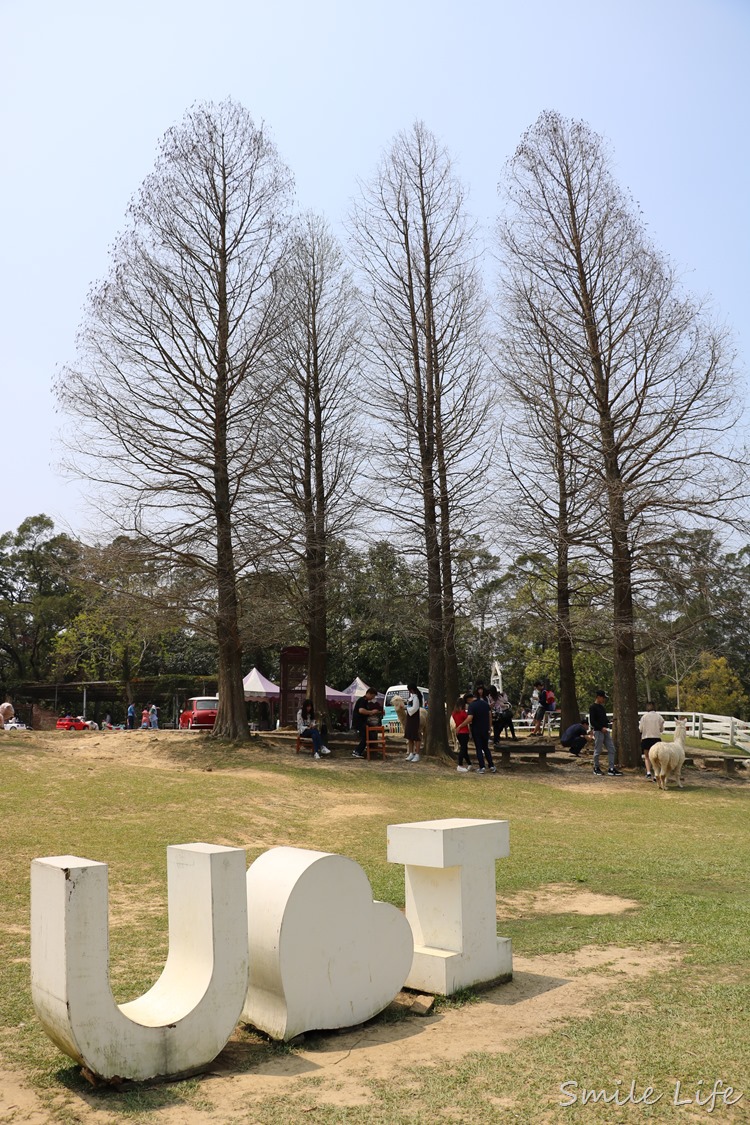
651 728
307 727
411 730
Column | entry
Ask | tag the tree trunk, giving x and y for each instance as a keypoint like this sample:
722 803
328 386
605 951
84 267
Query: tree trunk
570 711
625 683
231 718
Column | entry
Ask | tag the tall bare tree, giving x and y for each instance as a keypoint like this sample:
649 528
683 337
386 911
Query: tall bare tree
546 492
416 252
173 363
314 414
650 376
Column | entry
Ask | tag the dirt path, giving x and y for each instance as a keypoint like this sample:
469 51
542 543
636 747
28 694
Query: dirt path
544 992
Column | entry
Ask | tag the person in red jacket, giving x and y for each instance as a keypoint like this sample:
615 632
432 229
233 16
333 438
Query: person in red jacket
461 719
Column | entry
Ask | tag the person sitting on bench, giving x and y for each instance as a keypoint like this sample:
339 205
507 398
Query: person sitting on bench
307 727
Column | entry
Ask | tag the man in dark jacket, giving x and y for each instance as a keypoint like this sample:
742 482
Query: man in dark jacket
600 724
576 737
478 712
364 709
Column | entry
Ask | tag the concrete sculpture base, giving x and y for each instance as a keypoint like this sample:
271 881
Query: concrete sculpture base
451 901
183 1022
322 953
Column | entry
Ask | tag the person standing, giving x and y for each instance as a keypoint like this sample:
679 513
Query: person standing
144 719
412 730
496 710
153 716
131 716
478 710
461 720
602 737
541 707
651 727
506 716
364 710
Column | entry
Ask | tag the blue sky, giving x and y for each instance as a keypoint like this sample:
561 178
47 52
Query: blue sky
87 89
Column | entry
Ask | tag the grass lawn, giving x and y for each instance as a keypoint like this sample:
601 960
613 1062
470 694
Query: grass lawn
683 857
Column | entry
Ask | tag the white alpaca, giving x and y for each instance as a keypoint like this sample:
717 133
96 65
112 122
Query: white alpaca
668 758
399 707
6 714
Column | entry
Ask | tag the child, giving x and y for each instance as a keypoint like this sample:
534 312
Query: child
461 719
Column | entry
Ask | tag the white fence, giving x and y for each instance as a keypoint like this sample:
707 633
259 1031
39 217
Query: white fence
723 729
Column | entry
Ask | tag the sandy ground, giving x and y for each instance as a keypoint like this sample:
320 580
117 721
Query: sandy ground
544 992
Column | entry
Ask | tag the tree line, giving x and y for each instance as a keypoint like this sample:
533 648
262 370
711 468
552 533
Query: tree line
253 399
70 612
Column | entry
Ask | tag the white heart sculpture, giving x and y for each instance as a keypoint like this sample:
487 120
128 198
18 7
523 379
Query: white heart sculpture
322 953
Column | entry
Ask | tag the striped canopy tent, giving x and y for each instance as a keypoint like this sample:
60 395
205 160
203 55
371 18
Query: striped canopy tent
258 688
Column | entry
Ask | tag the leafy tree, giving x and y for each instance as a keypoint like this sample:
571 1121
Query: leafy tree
132 613
378 624
714 688
175 365
37 598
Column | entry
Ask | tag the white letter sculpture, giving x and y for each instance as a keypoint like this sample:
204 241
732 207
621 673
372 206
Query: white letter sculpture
185 1020
322 953
451 901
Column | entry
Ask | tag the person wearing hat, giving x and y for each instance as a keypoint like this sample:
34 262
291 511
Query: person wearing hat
602 737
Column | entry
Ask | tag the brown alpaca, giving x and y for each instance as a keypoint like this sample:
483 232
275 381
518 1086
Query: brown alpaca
399 706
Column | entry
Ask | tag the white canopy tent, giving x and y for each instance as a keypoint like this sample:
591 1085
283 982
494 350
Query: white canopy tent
258 688
332 695
356 689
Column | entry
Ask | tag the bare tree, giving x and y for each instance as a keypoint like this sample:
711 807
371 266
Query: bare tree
649 374
416 251
543 494
172 371
313 413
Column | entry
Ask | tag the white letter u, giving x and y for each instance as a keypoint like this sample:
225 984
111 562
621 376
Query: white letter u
185 1020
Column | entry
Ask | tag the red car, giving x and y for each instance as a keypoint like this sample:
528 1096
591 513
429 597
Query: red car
69 723
199 713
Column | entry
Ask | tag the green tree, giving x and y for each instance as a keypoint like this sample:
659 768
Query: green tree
378 620
130 613
714 689
37 598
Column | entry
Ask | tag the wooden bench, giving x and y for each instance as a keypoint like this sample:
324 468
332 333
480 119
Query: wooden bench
506 747
728 762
